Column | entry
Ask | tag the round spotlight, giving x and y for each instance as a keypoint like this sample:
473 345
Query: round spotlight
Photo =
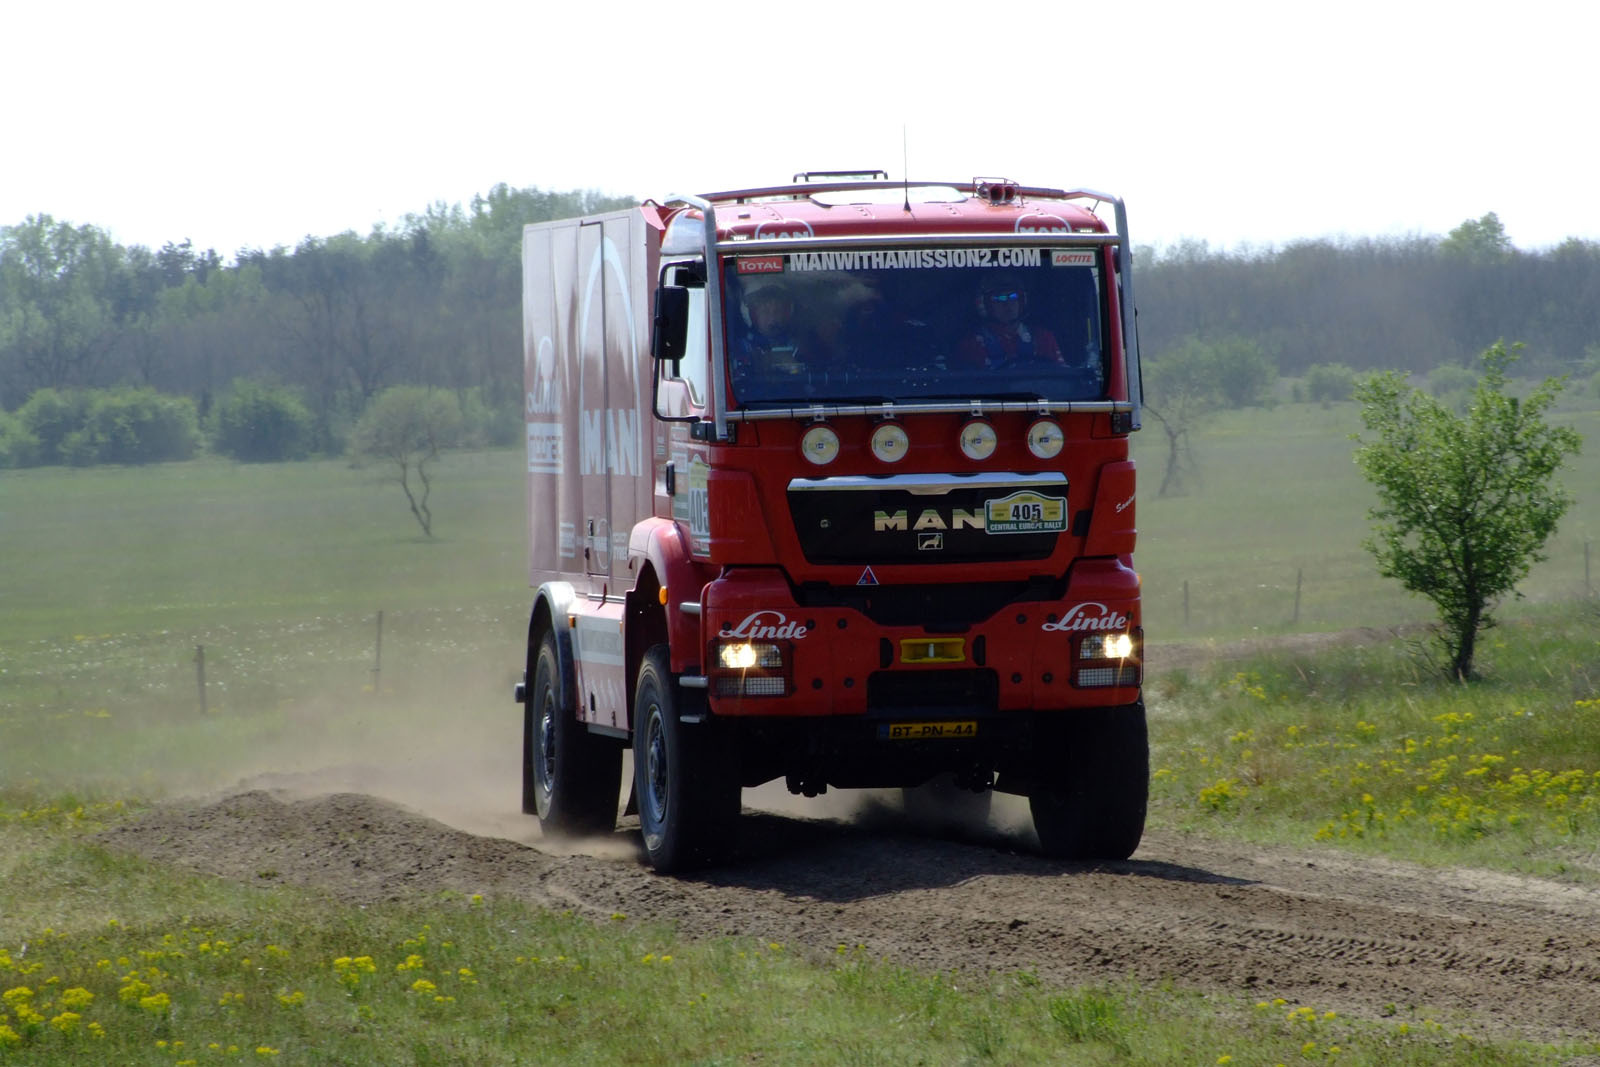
890 443
1044 439
820 445
978 440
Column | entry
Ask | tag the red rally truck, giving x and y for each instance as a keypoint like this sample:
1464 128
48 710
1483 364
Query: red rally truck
829 482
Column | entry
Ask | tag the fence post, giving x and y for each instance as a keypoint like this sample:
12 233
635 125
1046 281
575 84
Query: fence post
200 674
1299 577
377 662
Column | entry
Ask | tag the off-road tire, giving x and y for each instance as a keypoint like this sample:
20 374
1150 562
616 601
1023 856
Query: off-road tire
685 782
570 777
1092 805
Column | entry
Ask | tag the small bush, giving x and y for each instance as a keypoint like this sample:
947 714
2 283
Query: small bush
1328 383
134 426
18 446
260 423
51 416
487 425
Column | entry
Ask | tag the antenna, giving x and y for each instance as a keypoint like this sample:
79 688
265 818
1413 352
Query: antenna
905 167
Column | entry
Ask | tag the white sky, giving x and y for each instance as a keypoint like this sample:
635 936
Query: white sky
253 125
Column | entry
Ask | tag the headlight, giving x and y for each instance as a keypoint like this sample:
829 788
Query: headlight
1106 646
1045 439
978 440
820 445
743 655
890 443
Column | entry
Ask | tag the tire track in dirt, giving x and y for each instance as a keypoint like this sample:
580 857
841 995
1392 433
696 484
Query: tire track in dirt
1481 950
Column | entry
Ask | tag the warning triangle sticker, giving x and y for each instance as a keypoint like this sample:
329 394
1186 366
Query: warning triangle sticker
867 578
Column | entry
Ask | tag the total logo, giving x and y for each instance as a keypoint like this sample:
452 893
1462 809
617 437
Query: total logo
767 625
1090 616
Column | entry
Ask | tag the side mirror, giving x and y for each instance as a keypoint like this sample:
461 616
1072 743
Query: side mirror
671 323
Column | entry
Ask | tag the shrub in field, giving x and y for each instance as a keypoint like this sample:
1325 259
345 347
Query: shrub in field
134 426
1466 502
84 427
18 446
51 416
1328 383
485 424
261 423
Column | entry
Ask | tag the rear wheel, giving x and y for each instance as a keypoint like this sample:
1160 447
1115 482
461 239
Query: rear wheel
1089 798
570 777
685 782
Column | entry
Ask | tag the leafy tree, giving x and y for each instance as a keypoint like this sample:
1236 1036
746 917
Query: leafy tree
1465 501
261 423
1179 393
405 427
1478 240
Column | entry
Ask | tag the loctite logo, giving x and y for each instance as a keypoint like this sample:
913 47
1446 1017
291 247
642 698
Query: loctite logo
768 626
1091 616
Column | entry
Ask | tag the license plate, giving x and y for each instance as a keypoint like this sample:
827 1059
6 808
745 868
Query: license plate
919 731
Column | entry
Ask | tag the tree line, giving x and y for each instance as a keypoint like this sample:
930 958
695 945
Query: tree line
435 301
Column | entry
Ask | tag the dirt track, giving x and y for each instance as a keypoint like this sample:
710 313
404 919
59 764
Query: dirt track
1479 950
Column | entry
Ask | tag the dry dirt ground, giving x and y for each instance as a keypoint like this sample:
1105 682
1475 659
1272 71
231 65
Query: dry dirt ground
1487 952
410 814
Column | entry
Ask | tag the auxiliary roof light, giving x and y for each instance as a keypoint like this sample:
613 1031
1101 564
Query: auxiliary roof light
978 439
890 443
1045 439
820 445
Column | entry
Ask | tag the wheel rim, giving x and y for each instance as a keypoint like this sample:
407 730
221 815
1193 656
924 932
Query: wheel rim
656 783
545 758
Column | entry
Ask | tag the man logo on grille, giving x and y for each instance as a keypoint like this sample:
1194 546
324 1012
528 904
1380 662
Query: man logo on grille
930 542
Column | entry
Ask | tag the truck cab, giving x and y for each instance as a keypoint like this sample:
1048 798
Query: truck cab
829 483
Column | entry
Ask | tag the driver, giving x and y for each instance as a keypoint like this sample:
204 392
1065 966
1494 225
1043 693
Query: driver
1003 337
768 344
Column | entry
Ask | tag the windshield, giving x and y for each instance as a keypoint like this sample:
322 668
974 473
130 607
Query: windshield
915 324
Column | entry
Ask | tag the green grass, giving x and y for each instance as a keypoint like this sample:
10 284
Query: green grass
110 579
1371 748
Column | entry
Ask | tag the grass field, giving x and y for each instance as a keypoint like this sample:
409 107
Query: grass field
111 579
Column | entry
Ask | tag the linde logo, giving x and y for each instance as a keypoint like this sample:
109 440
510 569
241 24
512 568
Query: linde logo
768 625
1088 616
930 519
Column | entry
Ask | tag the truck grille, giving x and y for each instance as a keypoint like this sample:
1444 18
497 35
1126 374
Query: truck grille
977 690
897 525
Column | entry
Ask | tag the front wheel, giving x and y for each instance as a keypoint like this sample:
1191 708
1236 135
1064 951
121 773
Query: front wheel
570 777
685 781
1093 783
